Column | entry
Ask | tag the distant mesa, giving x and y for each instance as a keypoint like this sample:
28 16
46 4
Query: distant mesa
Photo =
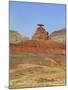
59 35
14 37
40 33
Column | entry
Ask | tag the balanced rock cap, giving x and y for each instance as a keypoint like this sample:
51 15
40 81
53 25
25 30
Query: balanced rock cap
40 25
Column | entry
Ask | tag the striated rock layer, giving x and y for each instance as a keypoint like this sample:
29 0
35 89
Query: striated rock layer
34 46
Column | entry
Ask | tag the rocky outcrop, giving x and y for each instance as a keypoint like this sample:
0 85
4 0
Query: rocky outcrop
40 33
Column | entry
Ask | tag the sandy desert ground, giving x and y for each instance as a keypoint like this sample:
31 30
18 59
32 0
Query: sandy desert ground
36 70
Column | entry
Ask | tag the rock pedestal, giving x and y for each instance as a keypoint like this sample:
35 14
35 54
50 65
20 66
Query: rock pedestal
40 34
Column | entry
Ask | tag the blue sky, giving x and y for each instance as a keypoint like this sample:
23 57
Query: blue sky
24 16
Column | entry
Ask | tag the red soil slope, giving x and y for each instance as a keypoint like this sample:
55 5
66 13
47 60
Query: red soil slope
34 46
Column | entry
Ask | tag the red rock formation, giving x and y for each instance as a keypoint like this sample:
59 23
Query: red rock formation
40 43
